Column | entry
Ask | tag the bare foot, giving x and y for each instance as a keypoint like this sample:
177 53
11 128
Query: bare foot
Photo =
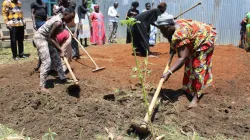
43 90
194 102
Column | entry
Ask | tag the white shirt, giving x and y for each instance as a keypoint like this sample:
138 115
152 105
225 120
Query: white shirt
112 12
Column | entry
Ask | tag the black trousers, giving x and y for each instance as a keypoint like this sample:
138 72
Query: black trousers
17 37
140 39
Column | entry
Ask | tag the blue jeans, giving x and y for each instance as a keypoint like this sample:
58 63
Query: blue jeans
39 23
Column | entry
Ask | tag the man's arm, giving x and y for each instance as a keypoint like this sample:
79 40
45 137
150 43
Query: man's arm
33 16
5 13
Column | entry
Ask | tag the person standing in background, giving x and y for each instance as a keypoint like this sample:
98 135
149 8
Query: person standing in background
243 25
247 32
62 5
139 31
38 13
98 36
84 23
131 14
13 18
113 22
152 30
39 17
73 26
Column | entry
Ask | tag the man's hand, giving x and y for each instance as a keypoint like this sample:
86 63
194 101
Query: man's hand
8 26
117 15
165 76
62 54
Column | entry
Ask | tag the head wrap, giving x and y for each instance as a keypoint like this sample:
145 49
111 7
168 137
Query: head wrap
96 6
165 19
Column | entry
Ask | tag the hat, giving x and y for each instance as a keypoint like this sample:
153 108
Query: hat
165 19
96 6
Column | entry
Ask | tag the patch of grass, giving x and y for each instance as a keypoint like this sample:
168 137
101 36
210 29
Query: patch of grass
173 132
6 132
6 54
50 135
100 137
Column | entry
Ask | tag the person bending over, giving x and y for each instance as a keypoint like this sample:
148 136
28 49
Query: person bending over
49 53
194 43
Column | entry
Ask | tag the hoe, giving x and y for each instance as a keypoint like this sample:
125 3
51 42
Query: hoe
142 127
97 68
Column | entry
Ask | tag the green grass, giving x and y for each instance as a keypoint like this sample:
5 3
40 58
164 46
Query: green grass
173 132
6 132
6 54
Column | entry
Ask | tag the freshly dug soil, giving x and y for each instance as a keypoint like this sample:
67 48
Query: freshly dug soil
70 111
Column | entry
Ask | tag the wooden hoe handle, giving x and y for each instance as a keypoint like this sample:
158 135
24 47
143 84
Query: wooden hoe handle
187 10
82 47
70 70
157 92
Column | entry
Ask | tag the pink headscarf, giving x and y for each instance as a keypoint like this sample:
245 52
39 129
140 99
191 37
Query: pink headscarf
96 6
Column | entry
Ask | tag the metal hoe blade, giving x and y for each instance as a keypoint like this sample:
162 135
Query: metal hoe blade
98 69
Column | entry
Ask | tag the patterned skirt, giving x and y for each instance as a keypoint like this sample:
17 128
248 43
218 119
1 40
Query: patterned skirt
198 71
247 36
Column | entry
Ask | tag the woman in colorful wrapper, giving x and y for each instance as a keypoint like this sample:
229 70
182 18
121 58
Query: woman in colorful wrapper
194 43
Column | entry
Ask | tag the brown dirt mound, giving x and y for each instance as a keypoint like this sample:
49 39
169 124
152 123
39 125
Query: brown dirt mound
225 110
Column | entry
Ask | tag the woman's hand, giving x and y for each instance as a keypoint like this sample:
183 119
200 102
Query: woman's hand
166 76
62 54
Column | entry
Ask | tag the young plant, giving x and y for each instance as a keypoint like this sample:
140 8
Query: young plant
141 70
50 135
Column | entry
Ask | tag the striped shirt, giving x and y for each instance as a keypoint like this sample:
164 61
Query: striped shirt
12 13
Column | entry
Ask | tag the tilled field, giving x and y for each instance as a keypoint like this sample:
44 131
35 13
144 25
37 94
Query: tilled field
88 110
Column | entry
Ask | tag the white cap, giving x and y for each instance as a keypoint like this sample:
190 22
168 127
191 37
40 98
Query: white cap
165 19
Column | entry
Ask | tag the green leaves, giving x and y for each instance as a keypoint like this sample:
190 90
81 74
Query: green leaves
50 135
129 22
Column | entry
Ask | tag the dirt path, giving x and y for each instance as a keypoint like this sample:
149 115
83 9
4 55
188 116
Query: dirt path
225 110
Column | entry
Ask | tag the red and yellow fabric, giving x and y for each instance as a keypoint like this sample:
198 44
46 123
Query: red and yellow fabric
199 38
12 13
248 31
